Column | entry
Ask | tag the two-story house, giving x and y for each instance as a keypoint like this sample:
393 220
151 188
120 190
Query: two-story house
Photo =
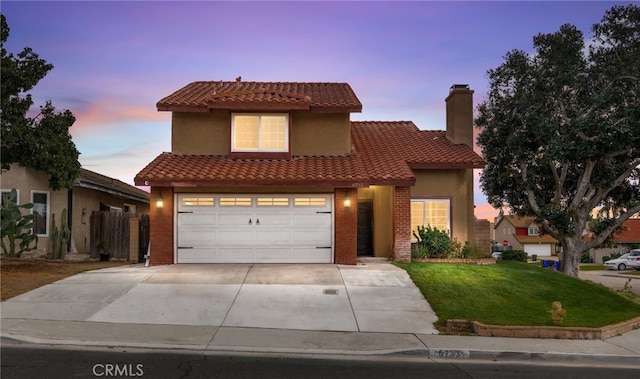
278 172
522 233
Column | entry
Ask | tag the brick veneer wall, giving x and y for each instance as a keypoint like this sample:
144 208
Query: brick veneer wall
161 227
402 224
346 227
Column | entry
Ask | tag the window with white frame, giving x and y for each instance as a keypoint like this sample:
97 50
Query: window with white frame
259 132
433 212
40 212
534 231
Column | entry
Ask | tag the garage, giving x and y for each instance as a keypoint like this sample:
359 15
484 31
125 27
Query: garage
254 228
541 250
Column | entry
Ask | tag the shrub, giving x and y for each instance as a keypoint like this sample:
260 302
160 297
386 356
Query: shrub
586 258
514 255
473 251
432 243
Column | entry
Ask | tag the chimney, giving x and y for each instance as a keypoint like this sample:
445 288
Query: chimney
460 114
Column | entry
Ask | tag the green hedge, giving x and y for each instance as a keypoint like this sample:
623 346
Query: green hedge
514 255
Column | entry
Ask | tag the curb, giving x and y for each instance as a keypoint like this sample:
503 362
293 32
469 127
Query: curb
426 353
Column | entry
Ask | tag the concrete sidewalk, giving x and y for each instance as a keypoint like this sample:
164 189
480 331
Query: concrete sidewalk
369 309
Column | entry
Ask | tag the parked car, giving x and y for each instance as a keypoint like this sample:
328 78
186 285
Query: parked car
633 260
619 263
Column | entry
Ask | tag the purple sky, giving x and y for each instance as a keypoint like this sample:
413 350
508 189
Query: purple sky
114 60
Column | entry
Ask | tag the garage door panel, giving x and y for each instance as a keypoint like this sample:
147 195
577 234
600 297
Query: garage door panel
195 255
272 253
235 253
311 237
235 237
273 236
194 219
236 219
314 255
313 219
197 238
281 219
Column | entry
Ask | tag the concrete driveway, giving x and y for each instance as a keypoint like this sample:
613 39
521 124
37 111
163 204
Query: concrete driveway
613 279
369 297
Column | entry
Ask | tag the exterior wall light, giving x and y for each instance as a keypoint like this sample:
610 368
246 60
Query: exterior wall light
347 203
159 201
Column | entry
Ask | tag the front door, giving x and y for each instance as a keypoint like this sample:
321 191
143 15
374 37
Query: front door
365 227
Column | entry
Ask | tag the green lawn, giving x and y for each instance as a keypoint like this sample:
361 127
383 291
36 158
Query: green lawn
512 293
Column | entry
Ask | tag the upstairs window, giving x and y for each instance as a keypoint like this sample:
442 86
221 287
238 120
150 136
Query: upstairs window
260 132
534 231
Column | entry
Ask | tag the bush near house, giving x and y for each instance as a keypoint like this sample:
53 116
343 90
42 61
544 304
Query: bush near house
514 255
432 242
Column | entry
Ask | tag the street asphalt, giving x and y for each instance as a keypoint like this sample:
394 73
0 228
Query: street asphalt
369 309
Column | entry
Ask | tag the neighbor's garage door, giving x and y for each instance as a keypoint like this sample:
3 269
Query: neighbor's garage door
221 228
541 250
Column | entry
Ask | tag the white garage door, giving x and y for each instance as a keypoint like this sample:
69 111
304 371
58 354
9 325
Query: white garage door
540 250
223 228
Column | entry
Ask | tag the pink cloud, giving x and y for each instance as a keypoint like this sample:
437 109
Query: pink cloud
485 212
107 112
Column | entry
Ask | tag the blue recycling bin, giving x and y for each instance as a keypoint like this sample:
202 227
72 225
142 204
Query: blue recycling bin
556 265
545 263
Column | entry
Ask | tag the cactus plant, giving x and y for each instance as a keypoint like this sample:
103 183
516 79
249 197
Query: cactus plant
16 226
59 236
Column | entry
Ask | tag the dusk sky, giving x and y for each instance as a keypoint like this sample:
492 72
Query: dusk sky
114 60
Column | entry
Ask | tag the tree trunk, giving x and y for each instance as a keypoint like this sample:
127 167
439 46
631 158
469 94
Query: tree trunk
571 256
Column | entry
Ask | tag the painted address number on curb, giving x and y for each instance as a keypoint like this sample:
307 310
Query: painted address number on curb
438 353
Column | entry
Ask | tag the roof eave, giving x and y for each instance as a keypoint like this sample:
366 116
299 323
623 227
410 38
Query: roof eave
246 184
445 165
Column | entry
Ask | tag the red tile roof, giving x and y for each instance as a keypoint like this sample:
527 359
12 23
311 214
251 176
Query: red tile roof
384 153
238 95
631 232
204 170
391 149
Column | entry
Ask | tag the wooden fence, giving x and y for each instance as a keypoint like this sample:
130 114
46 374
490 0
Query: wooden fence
111 233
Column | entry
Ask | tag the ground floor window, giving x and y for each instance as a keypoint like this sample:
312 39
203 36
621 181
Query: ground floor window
434 212
40 212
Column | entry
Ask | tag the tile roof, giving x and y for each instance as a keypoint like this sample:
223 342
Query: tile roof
631 232
384 153
518 222
239 95
391 149
206 170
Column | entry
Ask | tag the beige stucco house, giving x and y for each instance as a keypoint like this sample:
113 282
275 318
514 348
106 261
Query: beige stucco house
277 172
91 192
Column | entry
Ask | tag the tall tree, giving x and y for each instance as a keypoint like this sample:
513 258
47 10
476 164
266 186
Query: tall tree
42 142
560 131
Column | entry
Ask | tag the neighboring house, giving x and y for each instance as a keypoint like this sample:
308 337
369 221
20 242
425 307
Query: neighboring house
277 172
522 233
627 239
91 192
630 234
